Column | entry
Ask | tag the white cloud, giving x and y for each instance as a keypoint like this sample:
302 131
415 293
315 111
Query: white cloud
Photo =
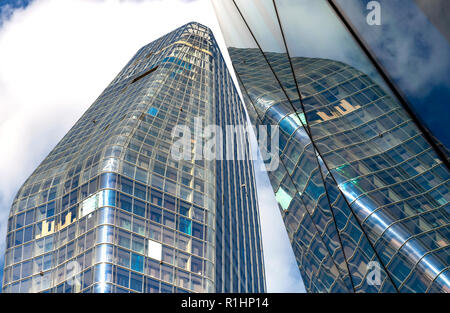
282 274
414 53
57 56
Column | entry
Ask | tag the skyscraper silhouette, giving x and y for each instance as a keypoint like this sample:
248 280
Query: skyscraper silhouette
110 209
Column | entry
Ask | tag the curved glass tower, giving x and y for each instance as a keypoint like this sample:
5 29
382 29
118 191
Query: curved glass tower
110 209
363 194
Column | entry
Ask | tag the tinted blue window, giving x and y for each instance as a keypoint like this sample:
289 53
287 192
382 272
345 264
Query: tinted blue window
136 282
137 262
185 226
155 214
140 191
19 237
123 277
139 208
313 190
151 285
52 193
156 197
125 202
28 234
126 185
197 230
50 209
20 219
153 111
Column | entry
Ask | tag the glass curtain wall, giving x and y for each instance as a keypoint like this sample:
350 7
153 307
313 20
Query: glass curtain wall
359 186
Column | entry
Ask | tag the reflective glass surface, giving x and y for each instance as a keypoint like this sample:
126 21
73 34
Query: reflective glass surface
358 184
412 43
110 210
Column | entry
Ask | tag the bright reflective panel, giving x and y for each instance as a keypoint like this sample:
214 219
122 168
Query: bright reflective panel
362 173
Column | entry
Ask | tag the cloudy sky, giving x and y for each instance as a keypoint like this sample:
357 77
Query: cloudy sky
414 53
56 57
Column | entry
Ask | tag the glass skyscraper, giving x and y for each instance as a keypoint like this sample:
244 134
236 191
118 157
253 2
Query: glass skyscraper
363 194
412 46
110 209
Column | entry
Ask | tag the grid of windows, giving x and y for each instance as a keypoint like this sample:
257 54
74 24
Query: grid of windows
109 209
357 180
377 163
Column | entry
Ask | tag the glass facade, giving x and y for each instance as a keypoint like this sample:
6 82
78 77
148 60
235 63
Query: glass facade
358 185
412 46
110 210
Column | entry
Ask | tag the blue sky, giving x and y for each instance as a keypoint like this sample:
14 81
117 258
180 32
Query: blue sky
7 8
57 56
414 53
